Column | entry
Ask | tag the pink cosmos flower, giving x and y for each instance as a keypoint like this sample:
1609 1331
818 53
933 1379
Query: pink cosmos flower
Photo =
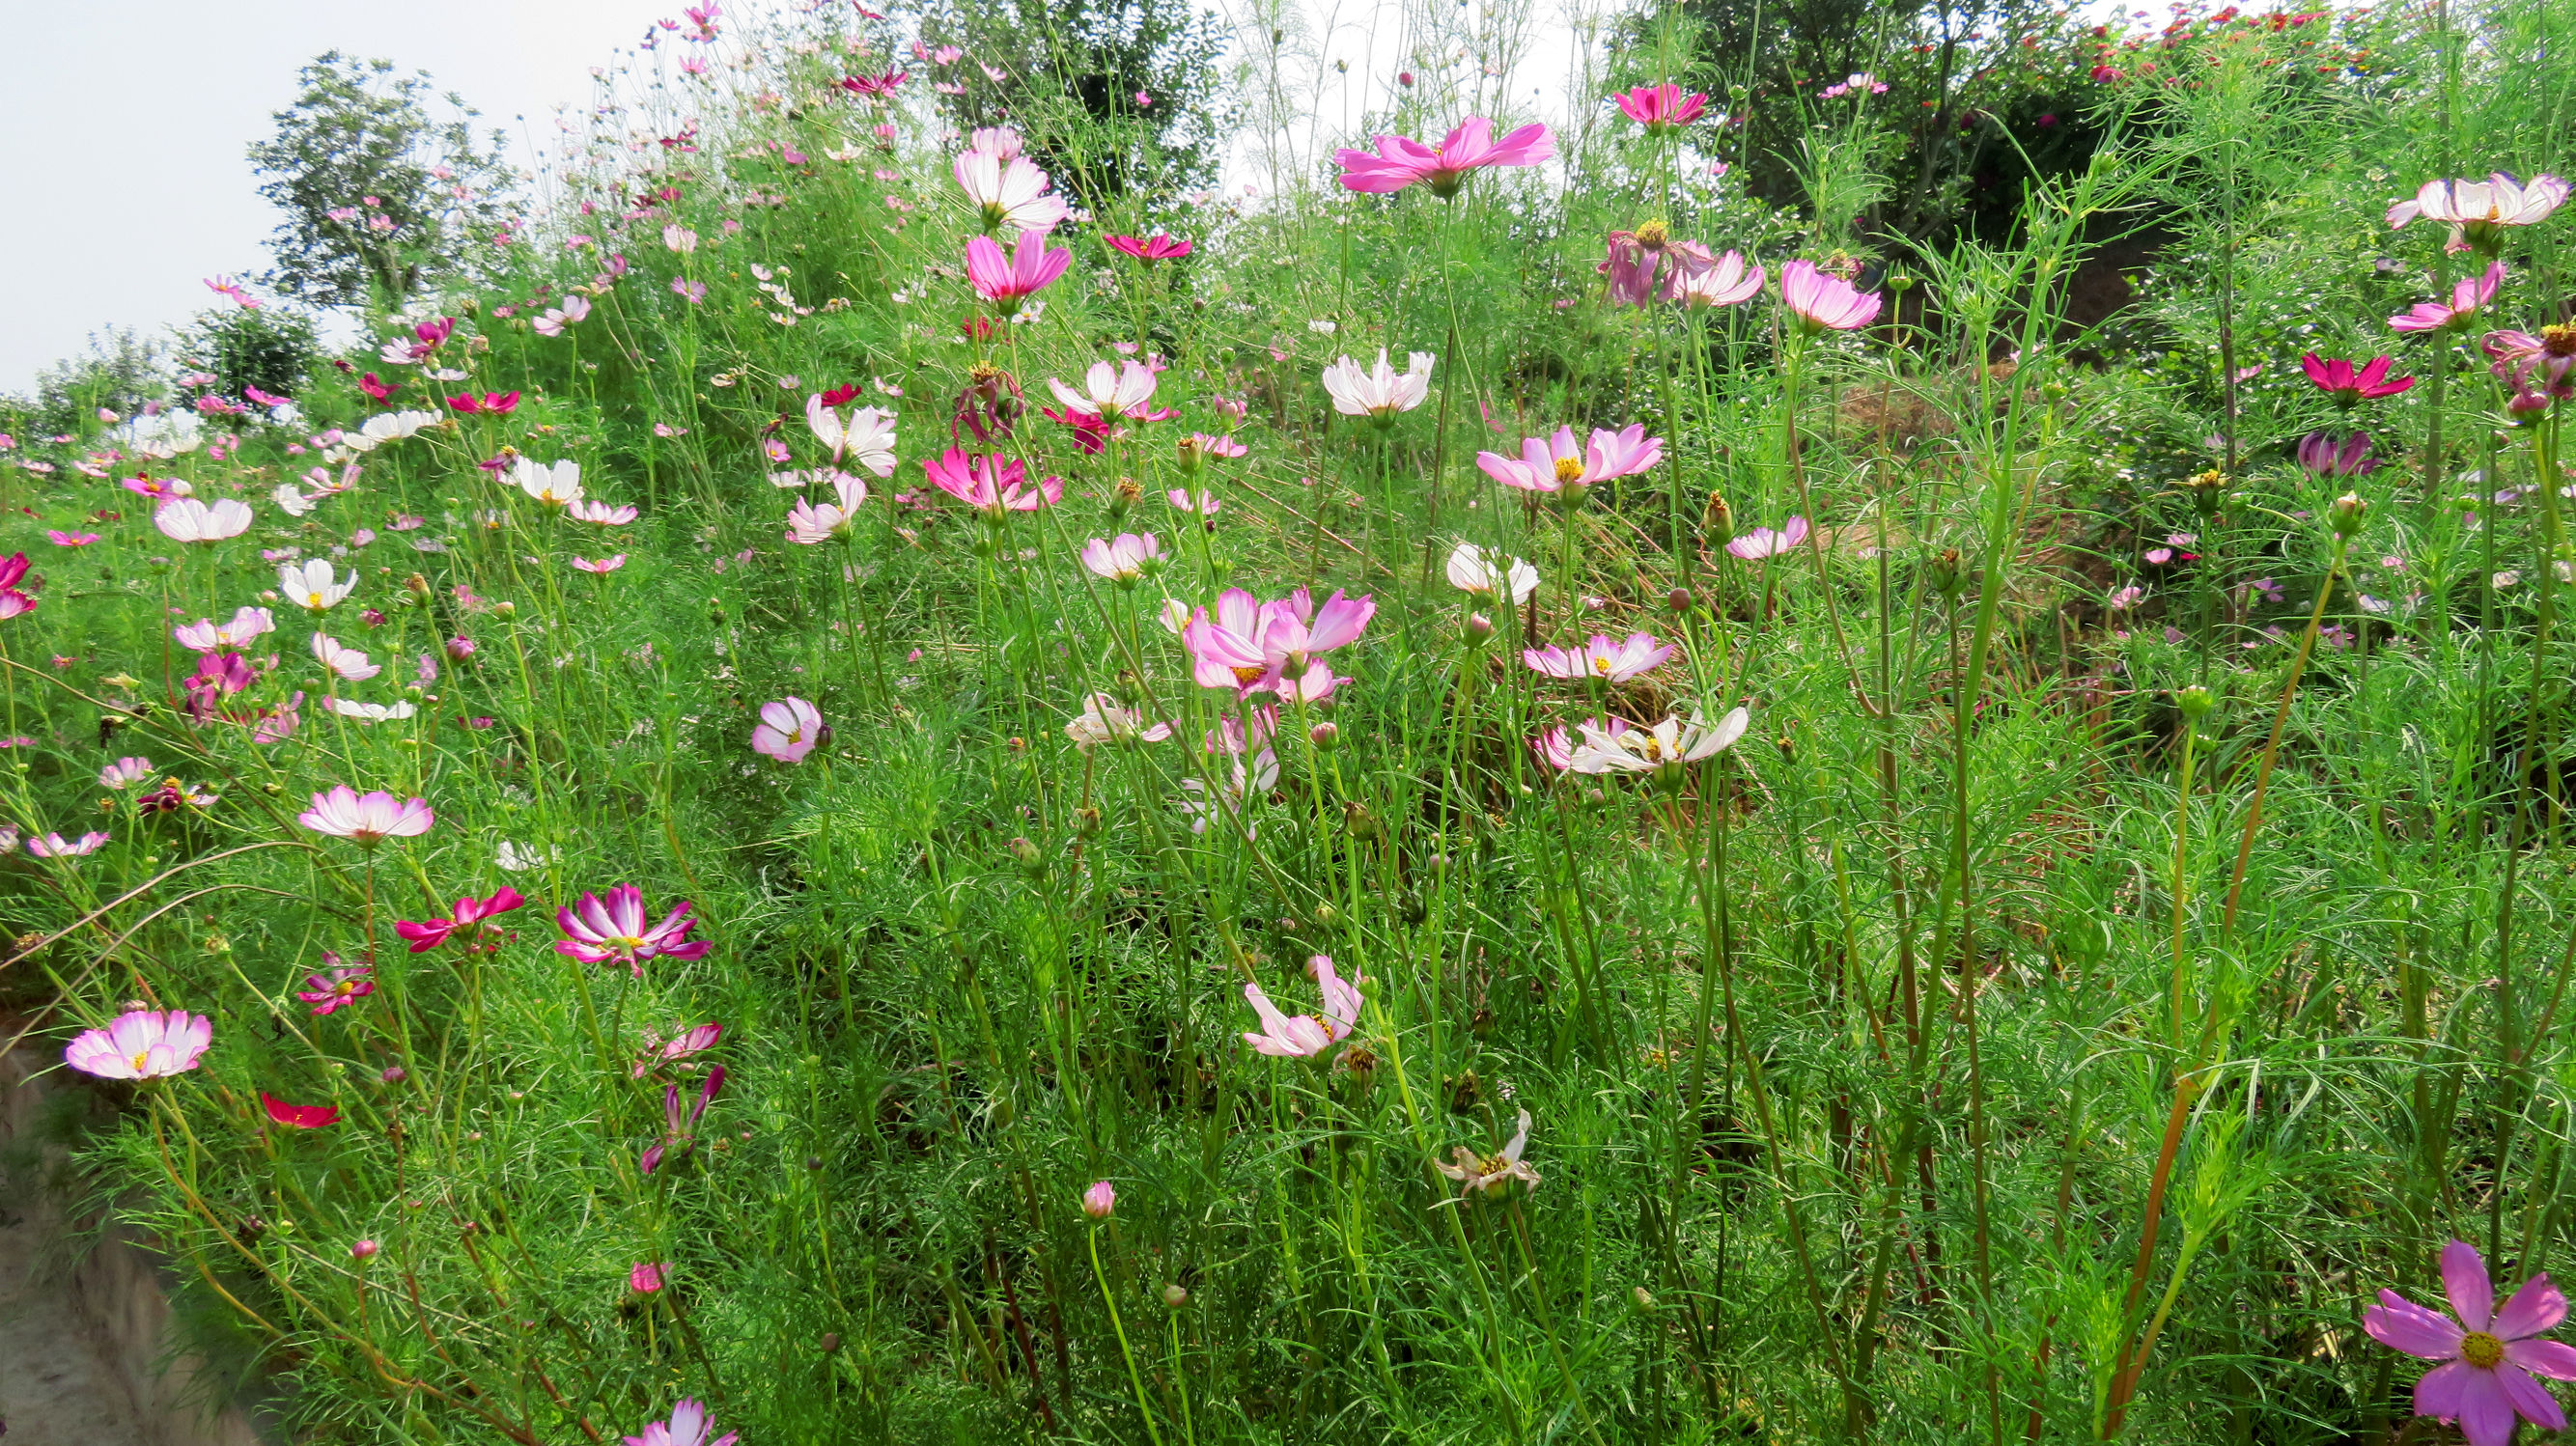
1401 161
688 1425
301 1117
124 771
679 1128
2322 454
2489 1356
809 523
1557 465
1126 390
600 512
1822 301
494 404
610 563
1762 542
1150 249
1305 1035
471 919
991 484
1100 1201
185 519
1123 559
145 1044
1379 392
366 819
206 635
1027 271
1253 647
2347 384
2469 296
2534 364
867 438
70 539
611 930
1200 501
646 1278
680 1046
1555 747
1601 658
2478 211
1725 281
337 988
788 730
1660 107
55 846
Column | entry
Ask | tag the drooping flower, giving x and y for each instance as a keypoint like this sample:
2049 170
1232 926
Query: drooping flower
678 1126
1008 191
1492 1174
185 519
2324 455
1102 720
1100 1201
688 1425
2479 211
788 730
1557 464
1823 301
1479 573
472 920
1664 749
1660 107
2469 296
300 1117
144 1044
313 584
1150 249
1611 662
1125 390
1380 392
206 635
1005 282
2488 1356
337 987
867 438
2533 364
1401 161
2347 384
991 484
1763 542
367 819
1305 1035
659 1051
610 929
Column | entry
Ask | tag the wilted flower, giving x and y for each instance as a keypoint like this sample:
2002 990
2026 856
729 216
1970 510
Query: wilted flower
1492 1173
145 1044
678 1126
369 712
679 1046
2325 456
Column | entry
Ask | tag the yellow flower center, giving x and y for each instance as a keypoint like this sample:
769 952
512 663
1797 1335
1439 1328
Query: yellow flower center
1601 666
2481 1349
313 600
139 1061
2558 340
1568 469
1652 234
1249 676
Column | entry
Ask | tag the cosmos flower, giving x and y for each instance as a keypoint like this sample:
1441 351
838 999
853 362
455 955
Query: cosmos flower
1008 191
1304 1034
1492 1174
471 920
300 1117
55 846
369 712
610 929
659 1051
1822 301
343 662
1006 282
1125 390
688 1425
1725 281
1478 573
601 513
1380 392
1556 464
788 730
867 438
1660 107
1150 249
1102 720
185 519
2347 383
1555 747
2322 454
1762 542
2469 296
145 1044
2488 1356
2479 211
206 635
124 771
1401 161
337 987
366 819
313 584
608 564
1601 658
557 485
556 318
1664 749
679 1127
992 484
1124 559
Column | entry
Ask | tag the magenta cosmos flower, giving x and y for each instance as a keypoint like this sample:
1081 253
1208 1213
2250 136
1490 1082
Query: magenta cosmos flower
2328 456
1005 282
1661 107
1401 161
1823 301
2479 211
688 1425
2519 357
1100 1201
2347 383
788 730
368 818
1303 1035
301 1117
1157 247
337 988
1557 465
679 1125
146 1044
1601 658
2489 1356
2469 296
471 920
992 484
610 930
1762 542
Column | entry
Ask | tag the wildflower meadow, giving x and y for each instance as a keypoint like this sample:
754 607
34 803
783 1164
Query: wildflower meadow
974 731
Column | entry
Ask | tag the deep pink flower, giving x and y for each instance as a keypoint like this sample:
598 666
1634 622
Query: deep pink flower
70 539
1660 107
991 484
610 930
1091 432
497 404
1601 658
1823 301
2489 1356
874 85
338 988
470 918
646 1278
1558 465
2326 456
1005 282
2348 384
1401 161
2469 296
301 1117
680 1046
1149 249
679 1127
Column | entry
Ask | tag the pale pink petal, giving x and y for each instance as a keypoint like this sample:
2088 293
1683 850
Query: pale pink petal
2535 1309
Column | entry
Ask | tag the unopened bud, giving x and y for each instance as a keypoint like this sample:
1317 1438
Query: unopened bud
1479 629
1679 600
831 1342
2346 514
1191 454
1175 1297
1947 573
1720 520
1324 736
1027 853
2526 408
2195 702
1645 1303
364 1249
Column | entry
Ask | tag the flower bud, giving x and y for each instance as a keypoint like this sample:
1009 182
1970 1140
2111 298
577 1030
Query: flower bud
1028 855
831 1343
1100 1200
1644 1302
1191 456
1086 823
2195 702
417 586
1479 629
2346 514
1324 736
1720 520
1174 1296
364 1250
393 1074
1679 600
2526 408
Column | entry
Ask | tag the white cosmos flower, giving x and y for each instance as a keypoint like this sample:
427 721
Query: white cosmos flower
513 858
185 519
1484 574
1012 194
1664 748
369 712
1109 391
394 426
161 436
553 485
1103 721
1379 391
291 500
867 438
313 584
344 661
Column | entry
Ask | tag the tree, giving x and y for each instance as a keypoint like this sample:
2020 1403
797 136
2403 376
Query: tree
266 347
1118 99
381 199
